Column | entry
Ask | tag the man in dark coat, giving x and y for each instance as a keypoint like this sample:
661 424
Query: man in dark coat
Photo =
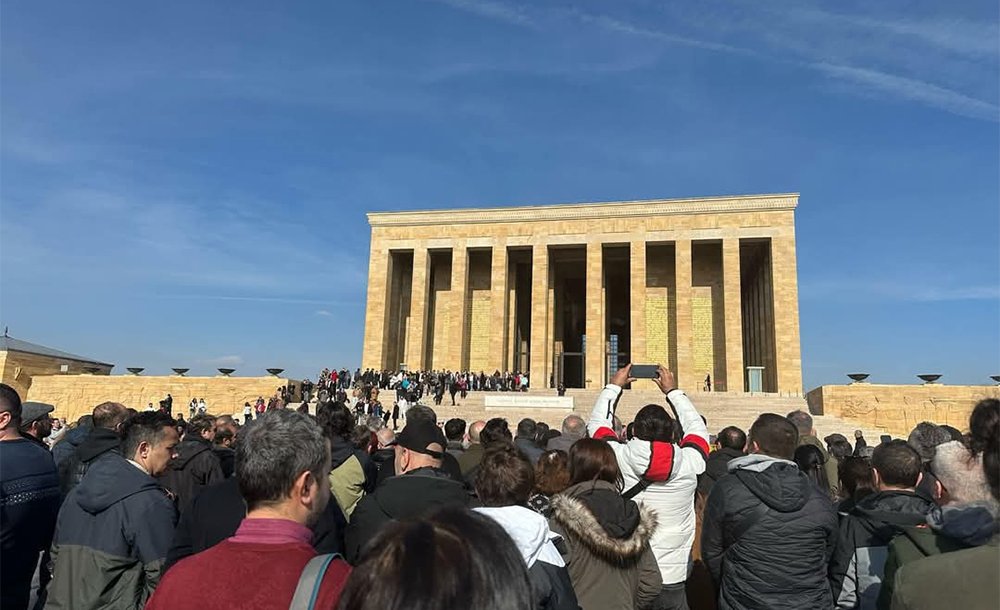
419 486
105 436
71 440
115 527
196 465
525 440
768 532
729 445
857 566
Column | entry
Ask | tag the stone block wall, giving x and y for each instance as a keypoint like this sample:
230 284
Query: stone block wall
18 369
76 395
480 307
897 409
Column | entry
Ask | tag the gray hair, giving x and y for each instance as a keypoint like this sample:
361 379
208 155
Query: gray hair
960 473
802 421
574 426
273 451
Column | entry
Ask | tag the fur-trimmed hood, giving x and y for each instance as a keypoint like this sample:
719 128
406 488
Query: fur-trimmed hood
631 526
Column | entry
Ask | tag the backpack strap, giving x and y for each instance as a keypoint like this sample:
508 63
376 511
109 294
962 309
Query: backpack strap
307 590
637 489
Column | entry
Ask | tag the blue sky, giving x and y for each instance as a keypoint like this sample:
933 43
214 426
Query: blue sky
184 184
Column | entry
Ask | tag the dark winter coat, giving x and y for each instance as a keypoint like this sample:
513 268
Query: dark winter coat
529 448
948 529
217 512
716 467
227 460
857 565
111 538
97 443
963 580
70 441
610 562
195 467
353 474
29 503
408 495
767 536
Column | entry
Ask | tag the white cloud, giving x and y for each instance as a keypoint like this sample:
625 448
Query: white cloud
223 361
853 290
323 312
497 11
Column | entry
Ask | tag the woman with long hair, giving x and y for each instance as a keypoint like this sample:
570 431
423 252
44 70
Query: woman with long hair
611 563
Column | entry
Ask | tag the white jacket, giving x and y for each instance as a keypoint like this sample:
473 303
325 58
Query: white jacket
674 470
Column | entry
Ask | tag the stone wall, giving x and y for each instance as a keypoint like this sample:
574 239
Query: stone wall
18 369
76 395
898 408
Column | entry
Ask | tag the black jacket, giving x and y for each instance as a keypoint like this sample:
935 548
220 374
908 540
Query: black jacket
195 467
216 513
97 443
66 447
227 460
407 495
111 538
858 564
767 536
716 466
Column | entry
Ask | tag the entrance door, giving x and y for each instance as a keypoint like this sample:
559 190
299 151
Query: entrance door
570 369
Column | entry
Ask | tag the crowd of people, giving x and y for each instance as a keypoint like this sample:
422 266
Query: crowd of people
337 510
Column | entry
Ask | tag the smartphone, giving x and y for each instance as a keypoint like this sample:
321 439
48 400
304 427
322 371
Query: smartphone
644 371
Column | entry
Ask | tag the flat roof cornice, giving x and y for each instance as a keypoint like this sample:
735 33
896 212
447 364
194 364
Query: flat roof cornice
578 211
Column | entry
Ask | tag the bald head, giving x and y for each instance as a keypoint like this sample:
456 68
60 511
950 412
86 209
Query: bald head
109 415
475 430
574 426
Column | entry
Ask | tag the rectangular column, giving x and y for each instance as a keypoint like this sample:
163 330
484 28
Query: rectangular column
379 282
540 338
732 299
785 288
498 307
595 363
686 377
415 344
458 348
637 320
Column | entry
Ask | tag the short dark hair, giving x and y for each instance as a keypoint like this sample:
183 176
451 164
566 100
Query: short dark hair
428 563
335 419
526 428
10 402
454 429
840 449
775 436
222 435
984 424
733 438
505 477
897 463
855 474
496 430
273 451
802 421
109 415
146 427
653 423
201 423
594 460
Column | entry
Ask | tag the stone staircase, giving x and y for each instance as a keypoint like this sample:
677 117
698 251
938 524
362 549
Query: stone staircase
719 409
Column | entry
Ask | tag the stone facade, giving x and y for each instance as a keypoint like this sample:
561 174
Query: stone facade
19 369
897 409
76 395
439 279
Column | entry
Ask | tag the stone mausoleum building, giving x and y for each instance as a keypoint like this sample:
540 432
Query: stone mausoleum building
705 286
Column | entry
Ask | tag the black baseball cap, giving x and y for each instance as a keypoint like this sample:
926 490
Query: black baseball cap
420 433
